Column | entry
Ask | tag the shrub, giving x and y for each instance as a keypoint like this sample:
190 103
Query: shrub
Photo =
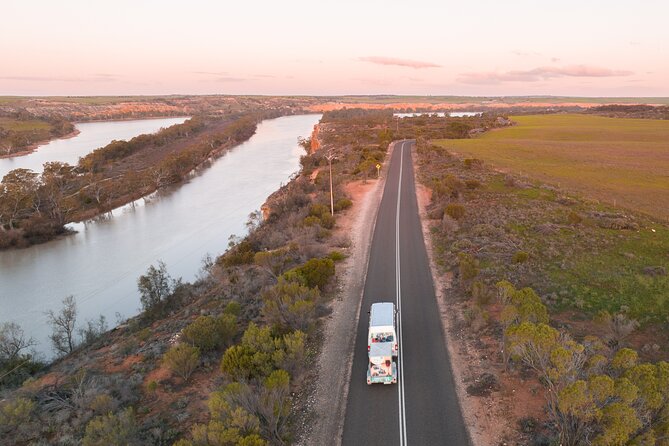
472 184
233 308
290 305
455 211
112 429
336 256
259 353
313 273
342 203
15 413
209 333
471 163
481 293
468 268
573 218
520 257
182 359
240 254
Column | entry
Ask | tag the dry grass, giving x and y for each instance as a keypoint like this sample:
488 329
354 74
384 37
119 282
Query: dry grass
619 161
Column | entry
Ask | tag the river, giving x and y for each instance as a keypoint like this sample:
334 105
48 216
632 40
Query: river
100 264
91 136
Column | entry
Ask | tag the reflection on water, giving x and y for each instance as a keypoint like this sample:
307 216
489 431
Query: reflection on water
101 263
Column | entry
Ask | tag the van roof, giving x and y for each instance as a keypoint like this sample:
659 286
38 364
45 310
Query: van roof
382 313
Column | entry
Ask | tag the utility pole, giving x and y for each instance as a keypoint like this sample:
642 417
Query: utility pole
330 157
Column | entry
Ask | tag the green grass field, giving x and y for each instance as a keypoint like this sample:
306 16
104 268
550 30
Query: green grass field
24 126
624 162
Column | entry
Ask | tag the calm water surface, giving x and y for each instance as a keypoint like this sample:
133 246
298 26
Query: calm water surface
91 136
100 264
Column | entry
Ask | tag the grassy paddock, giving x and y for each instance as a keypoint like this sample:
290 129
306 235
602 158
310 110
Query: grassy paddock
619 161
24 126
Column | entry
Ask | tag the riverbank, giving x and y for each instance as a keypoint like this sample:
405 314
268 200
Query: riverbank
32 147
120 173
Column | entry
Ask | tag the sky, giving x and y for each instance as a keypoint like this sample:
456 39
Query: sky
297 47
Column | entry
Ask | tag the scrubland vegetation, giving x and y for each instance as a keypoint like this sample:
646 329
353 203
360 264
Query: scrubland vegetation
551 287
221 361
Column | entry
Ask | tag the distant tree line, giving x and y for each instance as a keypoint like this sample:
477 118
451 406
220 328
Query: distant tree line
15 138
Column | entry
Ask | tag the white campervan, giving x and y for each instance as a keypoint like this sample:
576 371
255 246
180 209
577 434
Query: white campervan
382 346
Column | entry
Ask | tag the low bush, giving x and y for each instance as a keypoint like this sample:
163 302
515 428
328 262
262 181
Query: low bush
182 359
521 257
455 211
211 333
313 273
342 203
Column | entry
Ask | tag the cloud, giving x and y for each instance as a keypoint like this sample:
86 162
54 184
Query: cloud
540 74
102 77
398 62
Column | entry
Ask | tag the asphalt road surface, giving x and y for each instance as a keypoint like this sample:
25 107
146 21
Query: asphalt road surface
422 409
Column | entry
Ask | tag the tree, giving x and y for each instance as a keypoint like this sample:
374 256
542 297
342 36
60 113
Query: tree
55 179
62 325
18 195
155 286
13 341
182 359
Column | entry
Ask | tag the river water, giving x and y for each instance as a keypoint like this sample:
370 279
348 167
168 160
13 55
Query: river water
100 264
91 136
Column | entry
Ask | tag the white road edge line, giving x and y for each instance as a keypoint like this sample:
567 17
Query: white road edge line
398 283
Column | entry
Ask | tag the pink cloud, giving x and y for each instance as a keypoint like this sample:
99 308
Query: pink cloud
540 74
398 62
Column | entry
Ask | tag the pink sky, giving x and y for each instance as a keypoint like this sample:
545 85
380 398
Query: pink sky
576 48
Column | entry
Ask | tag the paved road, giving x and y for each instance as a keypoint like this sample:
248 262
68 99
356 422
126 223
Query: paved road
422 409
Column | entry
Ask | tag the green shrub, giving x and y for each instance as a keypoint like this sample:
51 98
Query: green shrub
209 333
311 220
342 203
336 256
290 305
182 359
455 211
240 254
233 307
313 273
520 257
260 353
15 413
111 429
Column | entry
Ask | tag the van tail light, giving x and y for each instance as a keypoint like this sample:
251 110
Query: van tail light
395 346
368 347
